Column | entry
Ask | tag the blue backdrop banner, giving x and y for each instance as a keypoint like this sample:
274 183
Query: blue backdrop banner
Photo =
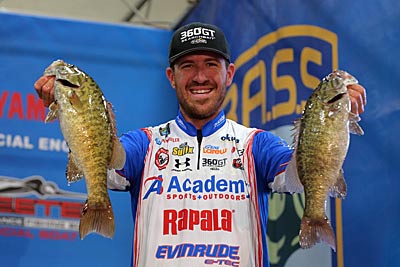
281 49
39 212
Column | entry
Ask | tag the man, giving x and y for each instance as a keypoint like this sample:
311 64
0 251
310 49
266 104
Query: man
199 184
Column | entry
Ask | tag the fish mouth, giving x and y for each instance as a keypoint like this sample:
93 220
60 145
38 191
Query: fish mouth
336 98
67 83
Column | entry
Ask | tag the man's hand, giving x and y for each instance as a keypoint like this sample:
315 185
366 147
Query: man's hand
358 97
44 87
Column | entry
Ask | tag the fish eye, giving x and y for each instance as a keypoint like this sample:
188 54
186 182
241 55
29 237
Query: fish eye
337 82
63 71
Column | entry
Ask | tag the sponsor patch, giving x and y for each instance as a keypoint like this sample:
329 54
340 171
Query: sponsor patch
162 158
182 165
203 220
164 131
213 164
213 254
237 164
229 138
210 149
183 149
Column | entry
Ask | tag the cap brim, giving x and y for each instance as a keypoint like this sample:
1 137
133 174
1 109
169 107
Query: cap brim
194 49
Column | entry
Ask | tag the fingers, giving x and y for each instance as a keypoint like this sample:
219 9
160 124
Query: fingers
44 87
358 97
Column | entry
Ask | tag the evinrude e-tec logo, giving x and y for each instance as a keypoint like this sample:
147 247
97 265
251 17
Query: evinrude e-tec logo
276 75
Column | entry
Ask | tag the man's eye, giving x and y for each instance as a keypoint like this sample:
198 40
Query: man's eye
212 64
186 66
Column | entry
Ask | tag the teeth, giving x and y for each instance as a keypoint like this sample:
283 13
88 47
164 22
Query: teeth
200 91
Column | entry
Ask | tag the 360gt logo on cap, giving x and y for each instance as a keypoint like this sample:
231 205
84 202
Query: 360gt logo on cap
198 36
198 32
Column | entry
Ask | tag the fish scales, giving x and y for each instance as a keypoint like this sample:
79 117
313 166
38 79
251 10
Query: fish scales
88 135
87 127
321 144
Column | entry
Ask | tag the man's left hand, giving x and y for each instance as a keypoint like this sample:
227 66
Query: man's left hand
358 97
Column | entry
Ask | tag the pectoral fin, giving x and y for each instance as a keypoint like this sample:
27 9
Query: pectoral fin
74 100
354 127
118 156
339 189
53 112
73 172
288 181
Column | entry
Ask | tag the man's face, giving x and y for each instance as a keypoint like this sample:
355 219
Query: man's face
200 80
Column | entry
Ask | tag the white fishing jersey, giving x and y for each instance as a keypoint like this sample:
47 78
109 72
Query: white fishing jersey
197 195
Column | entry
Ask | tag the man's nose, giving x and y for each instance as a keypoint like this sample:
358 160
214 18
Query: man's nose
200 75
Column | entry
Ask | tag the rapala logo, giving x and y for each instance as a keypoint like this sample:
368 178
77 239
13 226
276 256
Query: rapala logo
203 220
209 188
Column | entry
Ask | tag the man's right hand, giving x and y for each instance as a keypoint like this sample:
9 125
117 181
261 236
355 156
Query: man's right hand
44 87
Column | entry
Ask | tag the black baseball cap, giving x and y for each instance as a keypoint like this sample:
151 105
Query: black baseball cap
198 36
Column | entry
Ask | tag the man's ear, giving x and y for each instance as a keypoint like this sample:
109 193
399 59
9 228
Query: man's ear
170 75
230 73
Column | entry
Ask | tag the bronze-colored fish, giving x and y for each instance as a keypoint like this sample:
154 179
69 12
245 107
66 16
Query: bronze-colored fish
321 143
88 126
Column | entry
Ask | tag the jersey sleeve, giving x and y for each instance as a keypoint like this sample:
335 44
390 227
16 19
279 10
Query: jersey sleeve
135 144
271 156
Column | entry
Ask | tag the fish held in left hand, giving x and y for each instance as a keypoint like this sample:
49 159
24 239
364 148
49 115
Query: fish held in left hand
322 137
87 123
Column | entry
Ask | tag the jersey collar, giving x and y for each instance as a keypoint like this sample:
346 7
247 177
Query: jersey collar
208 129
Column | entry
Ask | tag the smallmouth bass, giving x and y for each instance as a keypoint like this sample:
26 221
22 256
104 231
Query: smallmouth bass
88 126
321 141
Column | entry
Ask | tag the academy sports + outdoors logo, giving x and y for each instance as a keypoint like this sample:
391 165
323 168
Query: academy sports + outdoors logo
197 189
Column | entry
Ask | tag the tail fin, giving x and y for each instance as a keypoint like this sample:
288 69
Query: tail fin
97 219
313 231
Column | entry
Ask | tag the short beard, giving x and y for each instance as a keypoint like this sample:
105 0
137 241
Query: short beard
194 114
197 115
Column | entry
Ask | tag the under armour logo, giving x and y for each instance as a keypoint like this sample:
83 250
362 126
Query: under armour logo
181 166
179 163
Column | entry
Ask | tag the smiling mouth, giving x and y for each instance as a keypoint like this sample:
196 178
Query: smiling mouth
200 92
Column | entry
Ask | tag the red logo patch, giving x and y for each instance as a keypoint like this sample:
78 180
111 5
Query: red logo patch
162 158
